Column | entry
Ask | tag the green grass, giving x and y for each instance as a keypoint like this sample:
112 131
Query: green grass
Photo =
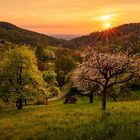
80 121
52 48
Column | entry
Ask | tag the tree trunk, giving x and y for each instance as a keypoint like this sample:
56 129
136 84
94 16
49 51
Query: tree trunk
7 101
19 103
104 100
91 97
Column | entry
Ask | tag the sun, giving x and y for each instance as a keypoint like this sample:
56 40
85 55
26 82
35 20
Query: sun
107 20
107 25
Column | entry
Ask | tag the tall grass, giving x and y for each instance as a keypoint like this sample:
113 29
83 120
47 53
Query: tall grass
80 121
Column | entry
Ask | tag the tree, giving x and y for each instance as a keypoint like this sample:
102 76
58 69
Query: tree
40 52
61 78
104 69
86 86
50 77
20 74
118 90
64 64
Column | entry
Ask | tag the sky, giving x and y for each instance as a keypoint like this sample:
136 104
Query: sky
69 16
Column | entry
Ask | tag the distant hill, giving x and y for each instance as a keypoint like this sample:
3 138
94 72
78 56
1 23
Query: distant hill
66 36
12 33
122 37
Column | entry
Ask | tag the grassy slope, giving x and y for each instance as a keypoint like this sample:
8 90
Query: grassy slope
52 48
80 121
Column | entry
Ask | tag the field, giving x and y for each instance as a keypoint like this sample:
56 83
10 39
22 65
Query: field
52 48
80 121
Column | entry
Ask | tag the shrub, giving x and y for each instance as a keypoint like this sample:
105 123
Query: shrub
70 100
134 84
55 91
39 102
73 91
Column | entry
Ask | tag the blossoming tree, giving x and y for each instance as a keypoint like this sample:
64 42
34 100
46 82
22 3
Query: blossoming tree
104 69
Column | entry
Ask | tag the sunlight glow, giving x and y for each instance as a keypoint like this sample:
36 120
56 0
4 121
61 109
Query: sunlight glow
106 17
106 20
107 25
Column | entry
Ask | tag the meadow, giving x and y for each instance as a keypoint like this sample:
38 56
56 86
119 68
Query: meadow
80 121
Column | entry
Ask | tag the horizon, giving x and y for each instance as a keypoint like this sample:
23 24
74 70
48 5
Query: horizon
68 36
70 17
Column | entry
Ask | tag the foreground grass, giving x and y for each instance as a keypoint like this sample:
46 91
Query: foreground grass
81 121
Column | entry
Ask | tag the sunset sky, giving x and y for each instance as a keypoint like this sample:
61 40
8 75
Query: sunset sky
69 16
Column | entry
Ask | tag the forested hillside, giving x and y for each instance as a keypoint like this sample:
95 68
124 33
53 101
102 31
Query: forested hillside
16 35
123 37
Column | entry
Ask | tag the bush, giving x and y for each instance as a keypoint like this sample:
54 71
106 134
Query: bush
73 91
70 100
55 91
40 102
134 84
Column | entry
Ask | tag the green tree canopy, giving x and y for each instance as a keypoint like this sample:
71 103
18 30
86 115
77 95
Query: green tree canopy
19 73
